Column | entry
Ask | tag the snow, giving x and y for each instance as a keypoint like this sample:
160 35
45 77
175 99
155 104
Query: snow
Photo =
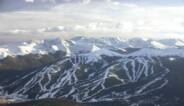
65 81
66 47
27 48
107 52
97 53
85 70
158 45
158 52
94 48
4 52
179 43
171 59
55 47
33 47
91 57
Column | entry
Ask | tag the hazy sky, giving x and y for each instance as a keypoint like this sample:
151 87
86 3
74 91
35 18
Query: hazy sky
65 18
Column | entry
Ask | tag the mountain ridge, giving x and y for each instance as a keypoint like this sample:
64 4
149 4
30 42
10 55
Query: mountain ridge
86 45
97 72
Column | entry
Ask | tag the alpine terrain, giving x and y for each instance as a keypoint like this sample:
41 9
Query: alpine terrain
94 71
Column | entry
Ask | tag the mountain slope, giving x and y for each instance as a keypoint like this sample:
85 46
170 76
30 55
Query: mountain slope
86 45
104 72
45 102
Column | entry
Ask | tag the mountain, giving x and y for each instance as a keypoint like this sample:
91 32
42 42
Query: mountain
87 45
45 102
33 47
96 71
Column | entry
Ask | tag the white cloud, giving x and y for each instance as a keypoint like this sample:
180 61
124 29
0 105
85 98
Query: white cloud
126 20
30 1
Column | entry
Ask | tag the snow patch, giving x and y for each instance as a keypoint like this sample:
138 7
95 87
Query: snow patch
4 52
158 45
55 47
95 48
171 59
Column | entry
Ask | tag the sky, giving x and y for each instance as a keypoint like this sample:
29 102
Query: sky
38 19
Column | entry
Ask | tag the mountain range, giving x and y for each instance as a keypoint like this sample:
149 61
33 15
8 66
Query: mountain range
95 46
94 71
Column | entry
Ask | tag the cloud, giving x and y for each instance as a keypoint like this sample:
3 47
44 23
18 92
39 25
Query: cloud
97 19
52 29
29 1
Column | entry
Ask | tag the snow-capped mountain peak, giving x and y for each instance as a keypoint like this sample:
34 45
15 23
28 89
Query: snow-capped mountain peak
158 45
97 46
32 47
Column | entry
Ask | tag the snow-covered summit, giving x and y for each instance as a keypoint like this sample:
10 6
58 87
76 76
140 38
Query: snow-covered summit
32 47
95 46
